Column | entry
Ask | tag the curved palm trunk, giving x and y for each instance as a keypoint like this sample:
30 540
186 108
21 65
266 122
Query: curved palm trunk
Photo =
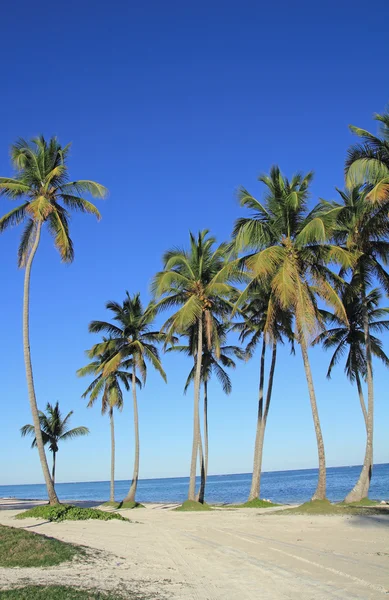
254 490
131 494
112 486
201 492
53 498
361 488
196 419
320 492
53 469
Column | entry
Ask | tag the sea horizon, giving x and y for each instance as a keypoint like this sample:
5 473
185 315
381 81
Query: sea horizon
287 486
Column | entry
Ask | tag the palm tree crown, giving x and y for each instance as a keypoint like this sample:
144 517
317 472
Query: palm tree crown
54 427
368 163
351 337
42 179
290 252
197 282
131 337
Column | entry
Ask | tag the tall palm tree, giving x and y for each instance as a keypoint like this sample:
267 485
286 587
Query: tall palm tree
368 162
255 314
41 180
132 342
362 227
350 338
54 429
215 360
108 388
289 253
198 283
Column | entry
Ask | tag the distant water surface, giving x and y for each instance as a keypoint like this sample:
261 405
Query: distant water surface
280 486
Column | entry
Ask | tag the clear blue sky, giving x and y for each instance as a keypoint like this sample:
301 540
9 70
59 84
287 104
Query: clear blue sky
172 105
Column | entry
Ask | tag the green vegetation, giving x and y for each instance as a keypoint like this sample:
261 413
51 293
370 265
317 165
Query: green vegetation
325 507
60 592
67 512
256 503
20 548
191 506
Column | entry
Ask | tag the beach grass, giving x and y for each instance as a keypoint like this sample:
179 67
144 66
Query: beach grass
256 503
56 592
111 504
20 548
364 507
191 506
67 512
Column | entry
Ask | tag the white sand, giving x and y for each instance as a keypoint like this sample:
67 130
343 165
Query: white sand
222 555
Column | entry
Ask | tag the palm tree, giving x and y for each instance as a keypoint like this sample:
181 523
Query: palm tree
350 338
362 227
54 429
255 314
368 162
215 360
196 281
41 179
289 254
132 342
108 387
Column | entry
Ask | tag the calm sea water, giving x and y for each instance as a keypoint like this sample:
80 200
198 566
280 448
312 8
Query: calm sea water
280 486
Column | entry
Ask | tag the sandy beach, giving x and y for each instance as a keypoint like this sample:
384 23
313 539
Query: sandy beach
240 554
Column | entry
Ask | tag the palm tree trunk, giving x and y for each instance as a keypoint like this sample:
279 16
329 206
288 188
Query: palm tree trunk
320 492
206 446
254 490
196 421
53 498
112 486
201 493
131 494
362 399
361 488
53 469
204 456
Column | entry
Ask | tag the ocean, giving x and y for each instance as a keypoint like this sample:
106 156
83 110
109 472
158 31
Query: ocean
285 487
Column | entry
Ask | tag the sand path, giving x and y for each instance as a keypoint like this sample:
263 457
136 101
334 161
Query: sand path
226 554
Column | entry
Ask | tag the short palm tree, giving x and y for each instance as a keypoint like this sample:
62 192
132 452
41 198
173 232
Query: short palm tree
362 227
54 429
289 253
197 282
368 162
41 180
255 321
215 360
132 342
109 388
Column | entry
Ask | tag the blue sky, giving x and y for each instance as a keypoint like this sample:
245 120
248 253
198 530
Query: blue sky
172 106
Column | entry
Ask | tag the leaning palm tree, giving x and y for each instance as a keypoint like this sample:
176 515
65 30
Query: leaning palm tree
289 253
255 314
132 343
108 388
215 359
198 283
368 162
54 429
362 227
41 180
